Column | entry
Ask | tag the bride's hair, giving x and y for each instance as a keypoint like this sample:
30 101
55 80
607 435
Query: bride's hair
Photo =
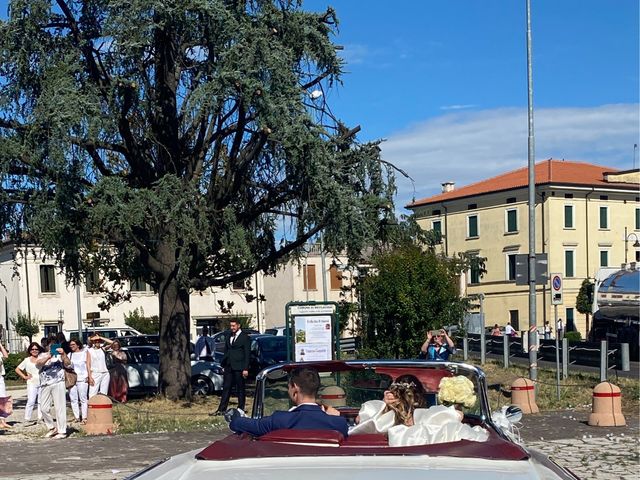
409 395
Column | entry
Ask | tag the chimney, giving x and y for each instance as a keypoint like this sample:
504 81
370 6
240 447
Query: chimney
448 187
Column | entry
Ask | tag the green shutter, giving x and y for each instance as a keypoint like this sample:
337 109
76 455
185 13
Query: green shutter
568 263
473 226
637 218
604 258
603 218
512 221
568 216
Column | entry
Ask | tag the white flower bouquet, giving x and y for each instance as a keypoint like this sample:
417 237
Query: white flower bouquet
457 390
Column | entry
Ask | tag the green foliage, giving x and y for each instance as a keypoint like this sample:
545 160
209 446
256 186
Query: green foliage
25 326
178 142
10 364
408 292
584 300
573 336
138 321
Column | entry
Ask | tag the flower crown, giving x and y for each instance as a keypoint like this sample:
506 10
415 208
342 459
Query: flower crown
402 385
458 389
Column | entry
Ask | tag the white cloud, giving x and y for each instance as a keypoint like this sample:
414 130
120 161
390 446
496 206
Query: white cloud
466 147
457 107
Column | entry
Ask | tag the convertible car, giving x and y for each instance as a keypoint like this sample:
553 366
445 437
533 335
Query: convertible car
322 454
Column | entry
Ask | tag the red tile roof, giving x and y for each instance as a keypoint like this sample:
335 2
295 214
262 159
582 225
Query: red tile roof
547 172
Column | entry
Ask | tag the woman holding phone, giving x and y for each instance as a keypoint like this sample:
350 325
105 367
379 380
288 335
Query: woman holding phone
52 390
438 346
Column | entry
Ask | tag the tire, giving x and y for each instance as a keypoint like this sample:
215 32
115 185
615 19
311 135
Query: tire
201 385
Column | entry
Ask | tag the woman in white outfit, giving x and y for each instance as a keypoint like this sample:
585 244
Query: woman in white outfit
97 366
52 390
28 371
78 394
3 390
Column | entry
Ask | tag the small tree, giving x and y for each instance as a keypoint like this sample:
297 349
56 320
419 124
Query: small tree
25 326
137 320
584 301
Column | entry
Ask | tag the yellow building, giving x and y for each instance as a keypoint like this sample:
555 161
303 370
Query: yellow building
587 217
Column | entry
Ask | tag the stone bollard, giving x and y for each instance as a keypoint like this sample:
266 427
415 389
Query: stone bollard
523 394
100 416
332 396
606 408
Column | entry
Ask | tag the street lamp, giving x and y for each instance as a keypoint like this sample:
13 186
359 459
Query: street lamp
636 244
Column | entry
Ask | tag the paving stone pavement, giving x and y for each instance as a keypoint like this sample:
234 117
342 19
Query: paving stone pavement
599 453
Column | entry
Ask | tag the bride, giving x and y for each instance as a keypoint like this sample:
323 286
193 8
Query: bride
401 414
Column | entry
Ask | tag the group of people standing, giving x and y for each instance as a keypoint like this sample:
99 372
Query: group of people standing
44 371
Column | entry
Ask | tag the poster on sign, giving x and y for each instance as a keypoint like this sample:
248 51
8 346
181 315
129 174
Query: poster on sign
312 338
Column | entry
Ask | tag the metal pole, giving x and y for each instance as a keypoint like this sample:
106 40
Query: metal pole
79 309
555 316
306 271
324 268
624 356
565 358
483 344
604 360
465 348
505 351
626 245
533 354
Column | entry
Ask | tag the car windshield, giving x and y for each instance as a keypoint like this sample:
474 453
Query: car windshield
357 386
273 344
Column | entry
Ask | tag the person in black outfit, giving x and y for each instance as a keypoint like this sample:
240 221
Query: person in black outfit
236 366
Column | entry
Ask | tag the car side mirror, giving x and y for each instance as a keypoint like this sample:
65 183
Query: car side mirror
513 413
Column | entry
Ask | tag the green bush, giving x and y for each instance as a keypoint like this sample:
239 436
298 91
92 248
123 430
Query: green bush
573 337
11 363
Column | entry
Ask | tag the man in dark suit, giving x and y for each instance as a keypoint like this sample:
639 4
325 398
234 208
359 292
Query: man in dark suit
306 415
236 366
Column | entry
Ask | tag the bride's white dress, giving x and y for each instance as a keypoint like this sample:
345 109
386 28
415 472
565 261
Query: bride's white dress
438 424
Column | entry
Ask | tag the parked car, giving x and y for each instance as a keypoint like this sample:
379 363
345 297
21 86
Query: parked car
279 331
219 339
143 367
140 340
318 454
107 332
266 350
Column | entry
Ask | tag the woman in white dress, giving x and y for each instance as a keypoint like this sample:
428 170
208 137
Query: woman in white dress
98 372
78 394
28 371
402 417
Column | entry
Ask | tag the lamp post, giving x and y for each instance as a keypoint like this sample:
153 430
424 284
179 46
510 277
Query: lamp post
636 244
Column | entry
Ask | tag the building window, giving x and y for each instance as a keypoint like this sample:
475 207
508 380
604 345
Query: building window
511 267
92 281
514 319
568 216
309 277
511 221
138 285
436 226
472 226
604 258
474 274
604 218
335 276
637 218
569 325
511 200
47 279
569 263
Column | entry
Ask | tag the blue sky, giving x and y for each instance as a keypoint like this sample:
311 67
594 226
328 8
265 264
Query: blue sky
444 83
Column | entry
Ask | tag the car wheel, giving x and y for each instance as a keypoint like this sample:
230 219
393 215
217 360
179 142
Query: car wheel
201 385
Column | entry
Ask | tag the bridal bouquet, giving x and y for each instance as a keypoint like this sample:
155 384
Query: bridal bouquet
457 390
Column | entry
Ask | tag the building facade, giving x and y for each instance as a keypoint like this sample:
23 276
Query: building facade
587 217
34 286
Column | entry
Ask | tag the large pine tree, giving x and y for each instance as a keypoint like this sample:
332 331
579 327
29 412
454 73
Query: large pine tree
185 143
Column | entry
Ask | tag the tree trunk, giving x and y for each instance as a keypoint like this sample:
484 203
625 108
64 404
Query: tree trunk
175 361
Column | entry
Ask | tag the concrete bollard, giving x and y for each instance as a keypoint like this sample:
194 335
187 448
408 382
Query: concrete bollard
523 394
333 396
606 408
100 416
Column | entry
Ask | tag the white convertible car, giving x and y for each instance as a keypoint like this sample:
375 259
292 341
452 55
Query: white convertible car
327 454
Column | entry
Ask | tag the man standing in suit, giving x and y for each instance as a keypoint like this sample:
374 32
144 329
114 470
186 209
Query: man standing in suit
236 366
306 415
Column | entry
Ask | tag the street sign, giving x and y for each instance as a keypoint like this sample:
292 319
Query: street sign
556 289
522 269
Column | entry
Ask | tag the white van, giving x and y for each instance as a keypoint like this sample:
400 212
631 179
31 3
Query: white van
107 332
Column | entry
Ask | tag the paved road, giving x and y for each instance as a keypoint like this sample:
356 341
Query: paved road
592 452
